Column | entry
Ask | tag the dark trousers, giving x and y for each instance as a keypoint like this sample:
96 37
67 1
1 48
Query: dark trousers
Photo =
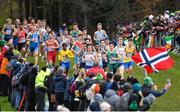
30 100
60 98
52 105
40 99
4 84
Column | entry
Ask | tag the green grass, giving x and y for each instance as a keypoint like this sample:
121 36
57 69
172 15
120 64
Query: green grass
168 102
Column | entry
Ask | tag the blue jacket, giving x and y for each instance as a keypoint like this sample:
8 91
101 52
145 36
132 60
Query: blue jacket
59 82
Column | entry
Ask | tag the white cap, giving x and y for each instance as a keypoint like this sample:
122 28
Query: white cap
105 106
151 16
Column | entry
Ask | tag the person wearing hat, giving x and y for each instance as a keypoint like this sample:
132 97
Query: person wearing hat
59 86
96 69
105 107
112 98
95 105
150 88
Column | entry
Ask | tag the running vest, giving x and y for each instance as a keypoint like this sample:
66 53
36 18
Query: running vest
89 59
22 36
100 35
35 43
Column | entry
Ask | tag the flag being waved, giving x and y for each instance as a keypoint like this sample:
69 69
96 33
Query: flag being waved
153 59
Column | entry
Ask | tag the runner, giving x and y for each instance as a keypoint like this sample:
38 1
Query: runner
98 55
85 35
21 34
89 57
8 30
112 59
120 52
34 39
63 57
67 38
129 51
75 32
52 45
99 34
77 48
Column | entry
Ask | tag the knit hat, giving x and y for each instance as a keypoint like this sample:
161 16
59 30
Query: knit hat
2 42
148 81
133 106
136 87
98 97
127 87
99 77
94 106
105 106
60 71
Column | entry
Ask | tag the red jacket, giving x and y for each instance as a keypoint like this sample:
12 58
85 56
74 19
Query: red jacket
96 70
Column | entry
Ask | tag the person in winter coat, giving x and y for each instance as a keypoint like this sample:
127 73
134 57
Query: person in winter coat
150 88
50 89
95 105
59 82
107 83
40 88
31 93
68 98
4 75
112 98
96 69
122 104
105 107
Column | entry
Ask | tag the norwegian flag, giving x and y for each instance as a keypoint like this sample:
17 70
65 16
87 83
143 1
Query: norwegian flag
153 59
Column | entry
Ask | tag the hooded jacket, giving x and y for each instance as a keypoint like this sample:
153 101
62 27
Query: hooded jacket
40 78
59 82
112 98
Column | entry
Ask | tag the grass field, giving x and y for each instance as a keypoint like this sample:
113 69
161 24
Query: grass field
169 102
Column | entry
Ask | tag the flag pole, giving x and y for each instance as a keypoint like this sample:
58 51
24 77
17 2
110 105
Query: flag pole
145 73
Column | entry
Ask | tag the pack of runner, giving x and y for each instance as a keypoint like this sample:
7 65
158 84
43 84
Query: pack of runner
100 63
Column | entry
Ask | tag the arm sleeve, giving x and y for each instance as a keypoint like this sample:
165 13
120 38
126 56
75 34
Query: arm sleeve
59 55
70 54
157 93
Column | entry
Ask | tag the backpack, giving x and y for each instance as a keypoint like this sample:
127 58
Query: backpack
72 87
24 70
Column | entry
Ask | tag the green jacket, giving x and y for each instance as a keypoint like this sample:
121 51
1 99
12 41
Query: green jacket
40 78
